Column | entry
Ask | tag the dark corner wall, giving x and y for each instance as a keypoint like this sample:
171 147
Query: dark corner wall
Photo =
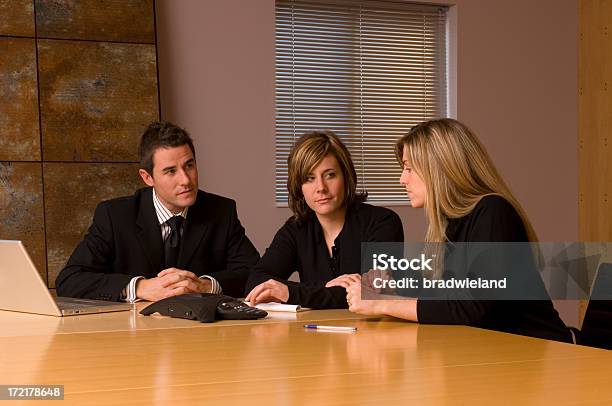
78 82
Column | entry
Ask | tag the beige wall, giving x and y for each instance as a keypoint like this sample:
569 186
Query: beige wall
217 80
516 86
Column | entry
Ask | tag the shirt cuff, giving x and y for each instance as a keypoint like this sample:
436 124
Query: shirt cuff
216 286
130 290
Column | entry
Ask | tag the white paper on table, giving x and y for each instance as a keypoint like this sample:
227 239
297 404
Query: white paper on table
280 307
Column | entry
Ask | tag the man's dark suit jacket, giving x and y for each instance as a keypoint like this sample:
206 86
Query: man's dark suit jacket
125 241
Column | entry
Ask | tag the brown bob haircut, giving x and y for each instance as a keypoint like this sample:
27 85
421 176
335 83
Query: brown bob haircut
307 153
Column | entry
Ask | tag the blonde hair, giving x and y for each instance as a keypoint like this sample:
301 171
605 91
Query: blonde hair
306 154
457 172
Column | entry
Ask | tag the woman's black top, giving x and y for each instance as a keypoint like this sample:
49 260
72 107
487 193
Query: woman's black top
301 247
494 219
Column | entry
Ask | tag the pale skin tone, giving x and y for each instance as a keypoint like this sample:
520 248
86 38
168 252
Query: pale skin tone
323 191
405 308
175 180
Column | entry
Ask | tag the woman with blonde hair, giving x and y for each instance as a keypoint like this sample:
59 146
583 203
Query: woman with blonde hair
447 171
322 240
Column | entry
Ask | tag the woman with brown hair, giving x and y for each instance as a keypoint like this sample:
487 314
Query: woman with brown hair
322 240
447 171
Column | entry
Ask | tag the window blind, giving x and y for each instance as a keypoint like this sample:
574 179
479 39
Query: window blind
368 71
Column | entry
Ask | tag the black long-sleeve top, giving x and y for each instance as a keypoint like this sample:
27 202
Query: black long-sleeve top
301 247
495 220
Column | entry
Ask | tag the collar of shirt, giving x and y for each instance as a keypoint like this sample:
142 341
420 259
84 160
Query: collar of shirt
163 214
318 228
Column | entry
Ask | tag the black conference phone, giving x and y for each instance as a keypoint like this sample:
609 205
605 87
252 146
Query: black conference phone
205 307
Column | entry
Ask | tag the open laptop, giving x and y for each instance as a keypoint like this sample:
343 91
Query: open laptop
23 290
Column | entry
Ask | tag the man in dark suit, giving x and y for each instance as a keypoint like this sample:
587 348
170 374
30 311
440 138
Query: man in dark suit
165 240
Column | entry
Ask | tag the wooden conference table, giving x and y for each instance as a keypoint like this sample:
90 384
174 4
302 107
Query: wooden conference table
126 358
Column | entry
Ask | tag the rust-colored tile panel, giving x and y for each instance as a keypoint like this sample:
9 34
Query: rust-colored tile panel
72 191
17 18
21 209
19 129
108 20
96 98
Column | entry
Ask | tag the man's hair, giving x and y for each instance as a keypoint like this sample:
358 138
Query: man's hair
161 135
307 153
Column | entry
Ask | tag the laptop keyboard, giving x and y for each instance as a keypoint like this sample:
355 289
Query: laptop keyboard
76 303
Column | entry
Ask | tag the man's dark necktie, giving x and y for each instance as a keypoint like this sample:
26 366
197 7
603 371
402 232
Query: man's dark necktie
172 245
